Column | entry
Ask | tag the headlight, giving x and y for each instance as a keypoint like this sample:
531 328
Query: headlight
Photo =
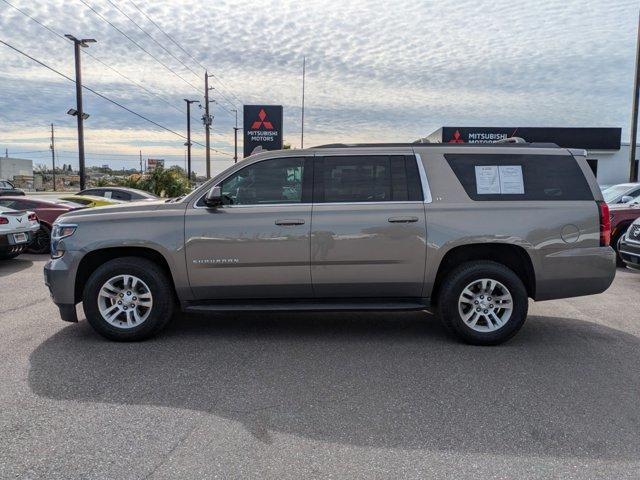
62 231
59 232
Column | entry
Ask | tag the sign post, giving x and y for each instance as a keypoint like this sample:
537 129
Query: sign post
262 127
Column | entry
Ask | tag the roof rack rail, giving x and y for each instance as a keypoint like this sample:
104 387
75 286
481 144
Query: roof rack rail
508 144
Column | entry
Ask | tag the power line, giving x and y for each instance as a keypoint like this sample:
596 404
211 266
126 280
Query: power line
151 37
185 51
104 97
140 46
96 58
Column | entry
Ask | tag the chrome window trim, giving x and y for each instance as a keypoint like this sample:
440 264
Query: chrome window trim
255 205
426 191
392 202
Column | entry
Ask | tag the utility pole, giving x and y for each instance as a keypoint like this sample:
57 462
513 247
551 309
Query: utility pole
78 112
235 138
53 158
207 123
304 65
188 144
140 162
633 173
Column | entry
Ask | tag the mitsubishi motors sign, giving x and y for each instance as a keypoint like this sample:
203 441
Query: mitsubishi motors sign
262 128
569 137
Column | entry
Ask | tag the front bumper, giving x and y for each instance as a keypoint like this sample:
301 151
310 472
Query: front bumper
630 254
59 277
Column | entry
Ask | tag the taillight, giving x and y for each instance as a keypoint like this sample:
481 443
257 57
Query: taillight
33 217
4 220
605 224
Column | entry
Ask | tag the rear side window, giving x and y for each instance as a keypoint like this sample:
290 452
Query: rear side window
544 177
118 195
366 178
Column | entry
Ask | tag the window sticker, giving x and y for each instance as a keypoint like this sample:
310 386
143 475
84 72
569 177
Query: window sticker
500 180
511 181
487 179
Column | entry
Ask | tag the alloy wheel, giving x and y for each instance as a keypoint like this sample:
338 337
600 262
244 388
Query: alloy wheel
125 301
485 305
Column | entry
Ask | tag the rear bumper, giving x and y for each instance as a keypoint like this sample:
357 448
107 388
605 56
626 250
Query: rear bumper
7 239
630 254
575 272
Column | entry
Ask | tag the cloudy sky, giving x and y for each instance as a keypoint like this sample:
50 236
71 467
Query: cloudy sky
376 70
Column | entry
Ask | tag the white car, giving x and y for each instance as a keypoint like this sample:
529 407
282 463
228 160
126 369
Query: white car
17 228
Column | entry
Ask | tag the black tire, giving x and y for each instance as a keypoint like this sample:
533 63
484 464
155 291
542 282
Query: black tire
615 241
159 285
463 275
8 255
41 240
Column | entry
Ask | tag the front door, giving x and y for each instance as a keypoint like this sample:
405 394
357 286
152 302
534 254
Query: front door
368 234
257 244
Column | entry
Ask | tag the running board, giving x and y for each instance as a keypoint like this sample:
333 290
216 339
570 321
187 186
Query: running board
313 305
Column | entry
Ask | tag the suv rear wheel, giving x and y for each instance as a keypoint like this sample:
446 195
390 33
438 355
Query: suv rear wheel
483 302
128 299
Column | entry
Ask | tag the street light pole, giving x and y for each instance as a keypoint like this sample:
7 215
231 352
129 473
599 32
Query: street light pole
207 123
53 158
633 173
77 43
188 144
235 138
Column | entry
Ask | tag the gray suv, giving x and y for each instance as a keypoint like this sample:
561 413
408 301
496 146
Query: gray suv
470 231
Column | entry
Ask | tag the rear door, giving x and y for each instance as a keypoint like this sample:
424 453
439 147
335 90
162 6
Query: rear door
368 235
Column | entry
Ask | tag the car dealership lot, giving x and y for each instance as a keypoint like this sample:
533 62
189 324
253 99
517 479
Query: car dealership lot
301 395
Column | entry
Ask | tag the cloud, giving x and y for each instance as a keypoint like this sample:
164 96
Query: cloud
376 70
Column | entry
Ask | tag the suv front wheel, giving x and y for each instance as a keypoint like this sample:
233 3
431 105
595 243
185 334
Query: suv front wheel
128 299
483 303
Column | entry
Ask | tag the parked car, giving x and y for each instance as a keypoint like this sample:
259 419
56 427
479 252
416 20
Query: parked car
89 201
119 193
47 212
7 188
471 231
17 228
629 247
622 216
621 193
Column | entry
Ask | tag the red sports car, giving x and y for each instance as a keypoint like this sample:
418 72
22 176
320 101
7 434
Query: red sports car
46 210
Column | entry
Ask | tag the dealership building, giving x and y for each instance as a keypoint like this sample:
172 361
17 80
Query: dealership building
608 157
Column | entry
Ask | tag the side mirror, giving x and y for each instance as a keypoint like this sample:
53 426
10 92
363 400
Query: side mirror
626 199
213 198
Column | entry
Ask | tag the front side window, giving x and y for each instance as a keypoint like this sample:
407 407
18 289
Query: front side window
9 204
271 181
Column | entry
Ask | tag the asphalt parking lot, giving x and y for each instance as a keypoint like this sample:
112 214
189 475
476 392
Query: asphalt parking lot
319 395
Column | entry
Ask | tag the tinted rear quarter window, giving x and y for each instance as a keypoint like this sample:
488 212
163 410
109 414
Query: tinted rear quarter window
546 177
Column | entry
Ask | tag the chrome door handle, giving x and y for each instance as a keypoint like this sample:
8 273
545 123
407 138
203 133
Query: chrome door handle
290 221
402 219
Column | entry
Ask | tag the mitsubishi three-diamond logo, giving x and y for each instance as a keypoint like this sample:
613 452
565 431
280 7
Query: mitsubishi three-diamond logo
262 121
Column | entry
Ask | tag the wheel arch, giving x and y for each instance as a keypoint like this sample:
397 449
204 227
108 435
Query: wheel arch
512 256
95 258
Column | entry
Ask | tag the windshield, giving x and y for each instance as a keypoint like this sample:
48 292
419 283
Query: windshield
612 193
